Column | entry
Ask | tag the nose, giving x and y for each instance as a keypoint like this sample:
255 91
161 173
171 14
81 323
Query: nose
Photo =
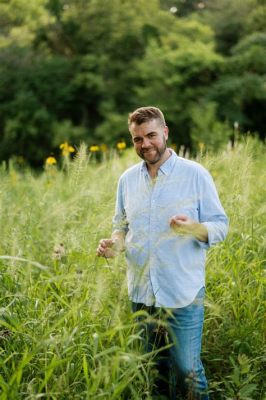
145 142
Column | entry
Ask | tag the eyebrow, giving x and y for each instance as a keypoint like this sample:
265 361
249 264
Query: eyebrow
147 134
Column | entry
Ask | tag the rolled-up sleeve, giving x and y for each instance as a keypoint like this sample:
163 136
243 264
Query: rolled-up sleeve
211 212
119 219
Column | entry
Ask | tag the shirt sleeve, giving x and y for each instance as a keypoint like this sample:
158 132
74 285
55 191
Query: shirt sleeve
119 219
211 212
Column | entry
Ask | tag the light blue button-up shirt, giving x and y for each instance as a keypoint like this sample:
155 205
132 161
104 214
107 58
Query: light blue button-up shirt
166 269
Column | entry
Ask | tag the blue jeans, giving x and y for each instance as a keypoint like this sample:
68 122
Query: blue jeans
180 368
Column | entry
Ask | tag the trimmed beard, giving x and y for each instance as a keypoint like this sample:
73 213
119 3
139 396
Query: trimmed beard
159 153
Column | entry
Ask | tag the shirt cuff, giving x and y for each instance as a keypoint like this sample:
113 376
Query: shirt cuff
216 233
203 245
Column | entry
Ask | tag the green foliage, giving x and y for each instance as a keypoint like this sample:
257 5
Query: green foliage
240 91
64 131
238 383
228 20
233 311
207 132
249 54
183 8
256 19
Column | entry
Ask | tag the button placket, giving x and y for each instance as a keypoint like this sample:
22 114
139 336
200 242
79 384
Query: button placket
153 233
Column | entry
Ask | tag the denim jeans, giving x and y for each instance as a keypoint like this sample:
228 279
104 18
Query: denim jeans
180 368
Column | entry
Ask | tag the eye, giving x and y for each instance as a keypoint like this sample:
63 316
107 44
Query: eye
137 140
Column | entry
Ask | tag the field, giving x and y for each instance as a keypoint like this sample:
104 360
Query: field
66 330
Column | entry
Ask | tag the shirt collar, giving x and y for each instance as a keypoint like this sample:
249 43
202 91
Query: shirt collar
167 166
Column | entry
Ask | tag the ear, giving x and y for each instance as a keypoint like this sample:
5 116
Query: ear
166 131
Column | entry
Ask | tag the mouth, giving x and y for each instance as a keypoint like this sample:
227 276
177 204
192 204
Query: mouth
148 151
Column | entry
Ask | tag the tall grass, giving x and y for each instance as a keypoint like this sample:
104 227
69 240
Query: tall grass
66 331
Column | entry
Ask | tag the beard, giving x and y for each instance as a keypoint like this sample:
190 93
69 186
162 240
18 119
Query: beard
146 154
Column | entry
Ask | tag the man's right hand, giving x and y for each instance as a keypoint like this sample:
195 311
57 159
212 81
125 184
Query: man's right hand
105 248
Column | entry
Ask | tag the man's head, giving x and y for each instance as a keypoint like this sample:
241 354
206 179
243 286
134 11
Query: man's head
149 134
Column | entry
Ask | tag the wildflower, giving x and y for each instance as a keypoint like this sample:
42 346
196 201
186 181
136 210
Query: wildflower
173 146
94 148
121 145
50 160
66 149
201 5
201 146
59 251
103 148
20 160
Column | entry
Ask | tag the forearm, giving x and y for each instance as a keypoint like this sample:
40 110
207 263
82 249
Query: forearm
200 232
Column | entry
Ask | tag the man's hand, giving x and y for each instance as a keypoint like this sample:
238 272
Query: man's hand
110 248
105 248
184 225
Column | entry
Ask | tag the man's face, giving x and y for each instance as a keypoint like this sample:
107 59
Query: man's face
149 140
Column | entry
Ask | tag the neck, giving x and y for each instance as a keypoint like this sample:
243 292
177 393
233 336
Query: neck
153 168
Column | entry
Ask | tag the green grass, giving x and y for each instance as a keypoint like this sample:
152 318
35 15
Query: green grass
66 331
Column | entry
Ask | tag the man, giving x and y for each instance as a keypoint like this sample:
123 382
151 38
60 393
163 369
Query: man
167 214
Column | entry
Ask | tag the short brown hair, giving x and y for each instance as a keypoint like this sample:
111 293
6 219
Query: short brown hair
145 114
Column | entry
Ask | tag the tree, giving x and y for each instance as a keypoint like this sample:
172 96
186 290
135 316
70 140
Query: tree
228 20
240 90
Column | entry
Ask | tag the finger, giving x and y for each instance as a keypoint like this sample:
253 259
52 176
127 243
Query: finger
100 252
181 217
173 221
106 242
102 249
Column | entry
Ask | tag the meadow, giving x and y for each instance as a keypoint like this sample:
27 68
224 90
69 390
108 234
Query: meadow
66 329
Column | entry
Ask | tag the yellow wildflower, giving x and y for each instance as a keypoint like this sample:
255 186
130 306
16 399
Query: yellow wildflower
20 160
94 148
201 146
121 145
103 148
66 149
173 146
50 160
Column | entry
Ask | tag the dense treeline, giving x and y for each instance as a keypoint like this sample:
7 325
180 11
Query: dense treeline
71 70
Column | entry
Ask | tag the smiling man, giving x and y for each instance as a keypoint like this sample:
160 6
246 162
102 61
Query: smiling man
167 215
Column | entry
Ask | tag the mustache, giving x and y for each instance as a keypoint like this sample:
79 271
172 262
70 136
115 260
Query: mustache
146 149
